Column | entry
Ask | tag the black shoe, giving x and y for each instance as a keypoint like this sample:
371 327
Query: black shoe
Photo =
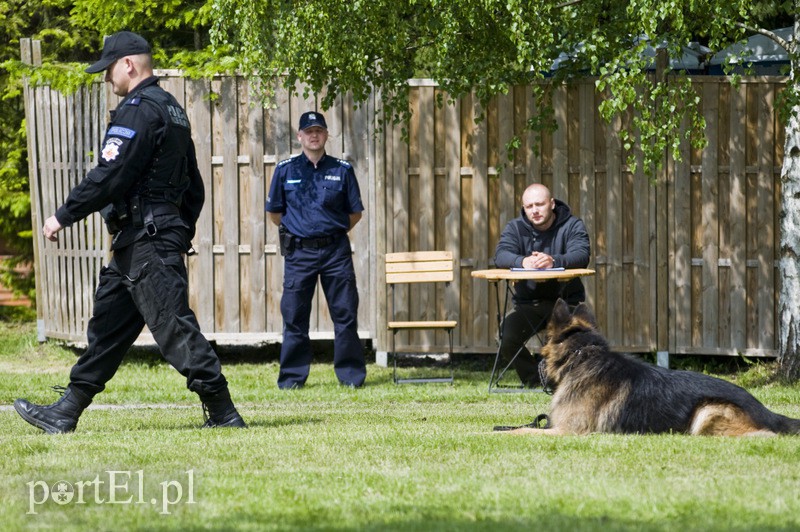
59 417
530 381
233 421
218 411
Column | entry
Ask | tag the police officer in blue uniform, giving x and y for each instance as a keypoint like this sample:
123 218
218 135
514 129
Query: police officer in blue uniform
149 190
314 200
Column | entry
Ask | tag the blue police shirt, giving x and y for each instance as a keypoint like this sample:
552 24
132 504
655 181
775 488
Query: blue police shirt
315 202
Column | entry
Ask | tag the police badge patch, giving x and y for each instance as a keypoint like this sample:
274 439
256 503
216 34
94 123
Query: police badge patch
111 149
119 131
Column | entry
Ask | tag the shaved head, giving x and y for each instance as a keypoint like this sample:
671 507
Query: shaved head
539 206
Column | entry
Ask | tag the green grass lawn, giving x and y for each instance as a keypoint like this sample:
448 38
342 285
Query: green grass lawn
385 457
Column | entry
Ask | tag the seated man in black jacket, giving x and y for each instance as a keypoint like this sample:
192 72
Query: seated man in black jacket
545 235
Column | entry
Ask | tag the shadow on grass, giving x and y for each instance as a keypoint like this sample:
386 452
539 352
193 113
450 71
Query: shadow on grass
252 424
545 519
191 418
283 422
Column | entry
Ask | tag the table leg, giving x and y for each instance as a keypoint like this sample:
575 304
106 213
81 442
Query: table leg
494 380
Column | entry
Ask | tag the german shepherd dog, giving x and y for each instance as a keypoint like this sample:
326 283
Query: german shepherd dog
597 390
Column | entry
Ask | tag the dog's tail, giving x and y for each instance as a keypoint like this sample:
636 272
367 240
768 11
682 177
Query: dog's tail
785 425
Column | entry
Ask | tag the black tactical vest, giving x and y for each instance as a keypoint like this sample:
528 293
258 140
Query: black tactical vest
167 178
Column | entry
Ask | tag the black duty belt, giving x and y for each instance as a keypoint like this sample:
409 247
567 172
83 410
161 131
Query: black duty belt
315 243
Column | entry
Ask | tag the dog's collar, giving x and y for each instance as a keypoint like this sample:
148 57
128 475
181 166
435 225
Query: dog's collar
547 387
550 387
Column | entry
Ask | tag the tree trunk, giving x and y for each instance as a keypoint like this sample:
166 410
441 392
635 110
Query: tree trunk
789 296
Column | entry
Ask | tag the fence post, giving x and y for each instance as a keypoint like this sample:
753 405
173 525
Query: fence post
662 192
30 52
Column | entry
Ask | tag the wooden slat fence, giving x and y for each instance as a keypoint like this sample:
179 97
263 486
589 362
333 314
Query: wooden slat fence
685 265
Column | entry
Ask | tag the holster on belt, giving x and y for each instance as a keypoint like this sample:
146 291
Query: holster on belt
115 215
286 240
136 212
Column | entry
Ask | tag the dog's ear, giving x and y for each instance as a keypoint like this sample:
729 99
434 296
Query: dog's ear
561 315
583 313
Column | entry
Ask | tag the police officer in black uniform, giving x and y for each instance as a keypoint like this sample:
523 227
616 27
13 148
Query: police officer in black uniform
314 200
149 190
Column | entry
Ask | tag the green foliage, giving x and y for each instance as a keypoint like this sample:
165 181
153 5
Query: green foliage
18 19
71 35
17 313
485 46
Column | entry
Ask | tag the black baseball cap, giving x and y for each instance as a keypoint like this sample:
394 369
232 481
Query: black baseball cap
120 44
311 119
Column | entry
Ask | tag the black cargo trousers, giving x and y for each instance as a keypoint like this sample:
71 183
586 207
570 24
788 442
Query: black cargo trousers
146 283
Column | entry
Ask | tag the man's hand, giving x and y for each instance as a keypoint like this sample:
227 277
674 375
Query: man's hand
354 218
538 260
51 228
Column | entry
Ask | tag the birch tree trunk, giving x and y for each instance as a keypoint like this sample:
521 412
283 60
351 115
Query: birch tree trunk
789 296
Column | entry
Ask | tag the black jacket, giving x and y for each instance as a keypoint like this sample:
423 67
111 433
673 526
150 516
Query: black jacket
566 241
146 145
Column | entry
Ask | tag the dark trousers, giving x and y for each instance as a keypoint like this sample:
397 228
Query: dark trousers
519 325
333 265
146 283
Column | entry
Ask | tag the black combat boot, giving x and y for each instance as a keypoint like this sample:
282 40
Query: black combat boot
218 411
62 416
